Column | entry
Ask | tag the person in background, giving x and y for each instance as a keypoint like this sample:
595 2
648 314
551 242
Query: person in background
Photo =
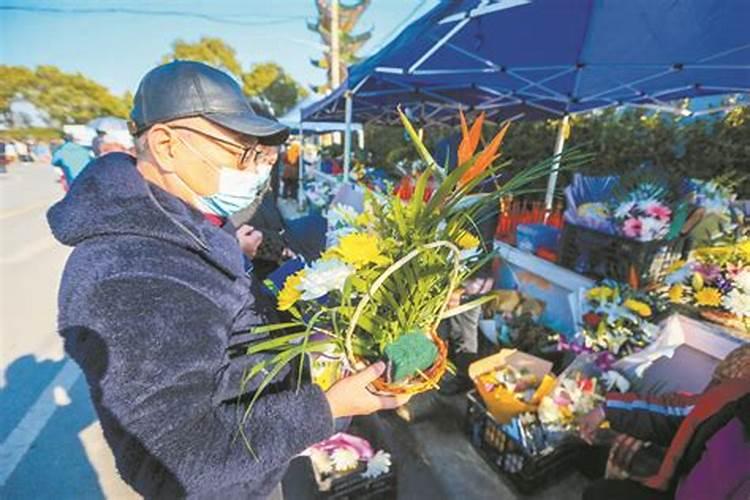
158 310
71 158
291 171
114 142
96 144
683 446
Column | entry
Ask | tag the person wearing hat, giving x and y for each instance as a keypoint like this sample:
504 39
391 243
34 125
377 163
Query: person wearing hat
156 307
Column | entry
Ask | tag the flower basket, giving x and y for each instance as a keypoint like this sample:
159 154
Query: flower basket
602 255
428 379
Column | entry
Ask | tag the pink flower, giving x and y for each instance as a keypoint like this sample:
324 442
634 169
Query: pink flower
632 227
661 212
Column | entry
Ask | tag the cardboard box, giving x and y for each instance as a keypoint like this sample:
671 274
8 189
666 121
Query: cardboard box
503 405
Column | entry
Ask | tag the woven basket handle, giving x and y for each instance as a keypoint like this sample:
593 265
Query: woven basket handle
455 254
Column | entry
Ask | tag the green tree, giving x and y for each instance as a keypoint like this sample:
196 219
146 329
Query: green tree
65 97
267 80
270 81
210 50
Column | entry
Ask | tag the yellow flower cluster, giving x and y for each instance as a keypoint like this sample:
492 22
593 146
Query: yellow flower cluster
600 293
359 250
638 307
466 240
708 296
291 293
676 292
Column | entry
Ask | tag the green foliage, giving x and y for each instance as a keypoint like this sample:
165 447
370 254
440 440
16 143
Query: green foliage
210 50
64 97
36 133
267 80
270 81
620 141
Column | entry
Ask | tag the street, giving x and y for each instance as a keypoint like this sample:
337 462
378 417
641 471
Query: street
51 442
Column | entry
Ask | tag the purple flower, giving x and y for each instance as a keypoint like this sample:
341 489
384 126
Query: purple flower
710 272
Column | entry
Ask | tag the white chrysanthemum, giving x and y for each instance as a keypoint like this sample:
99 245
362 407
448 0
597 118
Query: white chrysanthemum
378 465
341 215
742 281
344 459
737 302
652 229
321 461
322 277
624 208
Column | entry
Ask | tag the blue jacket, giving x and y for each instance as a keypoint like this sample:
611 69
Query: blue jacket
72 158
153 305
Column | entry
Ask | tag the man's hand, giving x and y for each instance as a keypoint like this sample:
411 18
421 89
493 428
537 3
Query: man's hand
350 397
249 239
589 423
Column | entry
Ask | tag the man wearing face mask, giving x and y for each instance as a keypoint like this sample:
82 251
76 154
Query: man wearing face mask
155 306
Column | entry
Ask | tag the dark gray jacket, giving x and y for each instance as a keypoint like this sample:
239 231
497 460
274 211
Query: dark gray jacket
153 305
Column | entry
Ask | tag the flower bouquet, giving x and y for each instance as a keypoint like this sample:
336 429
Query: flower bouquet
380 292
716 280
344 455
614 323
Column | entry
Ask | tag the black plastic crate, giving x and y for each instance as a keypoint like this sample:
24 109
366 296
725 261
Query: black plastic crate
601 255
500 446
355 487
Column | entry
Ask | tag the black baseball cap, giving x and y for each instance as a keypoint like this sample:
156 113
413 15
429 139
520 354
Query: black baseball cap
183 89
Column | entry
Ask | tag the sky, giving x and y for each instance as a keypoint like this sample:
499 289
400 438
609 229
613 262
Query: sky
116 48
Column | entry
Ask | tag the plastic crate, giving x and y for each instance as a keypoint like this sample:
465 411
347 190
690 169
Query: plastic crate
355 487
601 255
499 445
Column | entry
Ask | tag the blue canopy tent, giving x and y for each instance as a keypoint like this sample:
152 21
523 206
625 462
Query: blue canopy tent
549 59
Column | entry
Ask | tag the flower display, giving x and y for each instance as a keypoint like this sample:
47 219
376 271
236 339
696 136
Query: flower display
643 220
344 454
614 323
380 290
570 399
716 280
378 465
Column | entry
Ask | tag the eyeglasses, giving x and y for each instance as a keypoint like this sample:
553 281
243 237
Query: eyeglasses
247 151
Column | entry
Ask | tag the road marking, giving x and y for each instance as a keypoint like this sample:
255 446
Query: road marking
28 429
28 208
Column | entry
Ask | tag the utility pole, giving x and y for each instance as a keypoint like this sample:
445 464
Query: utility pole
335 66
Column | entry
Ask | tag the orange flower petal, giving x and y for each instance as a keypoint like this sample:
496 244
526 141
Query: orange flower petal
470 139
486 157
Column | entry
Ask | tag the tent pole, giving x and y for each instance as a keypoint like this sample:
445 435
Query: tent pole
347 134
562 133
301 171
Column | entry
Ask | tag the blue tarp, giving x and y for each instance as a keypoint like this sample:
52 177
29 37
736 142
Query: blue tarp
547 58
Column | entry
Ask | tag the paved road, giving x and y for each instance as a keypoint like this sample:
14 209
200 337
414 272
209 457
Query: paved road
51 444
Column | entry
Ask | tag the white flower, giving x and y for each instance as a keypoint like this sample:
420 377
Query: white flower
341 215
737 302
344 459
652 229
321 460
742 280
378 465
624 208
548 411
322 277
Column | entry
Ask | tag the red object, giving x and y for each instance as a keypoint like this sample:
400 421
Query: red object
214 219
592 319
547 254
525 212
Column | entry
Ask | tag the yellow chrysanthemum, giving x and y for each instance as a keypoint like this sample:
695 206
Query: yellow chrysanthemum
360 249
600 293
641 308
466 240
676 292
708 296
364 219
290 294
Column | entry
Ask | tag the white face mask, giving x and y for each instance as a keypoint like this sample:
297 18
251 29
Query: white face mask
238 189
